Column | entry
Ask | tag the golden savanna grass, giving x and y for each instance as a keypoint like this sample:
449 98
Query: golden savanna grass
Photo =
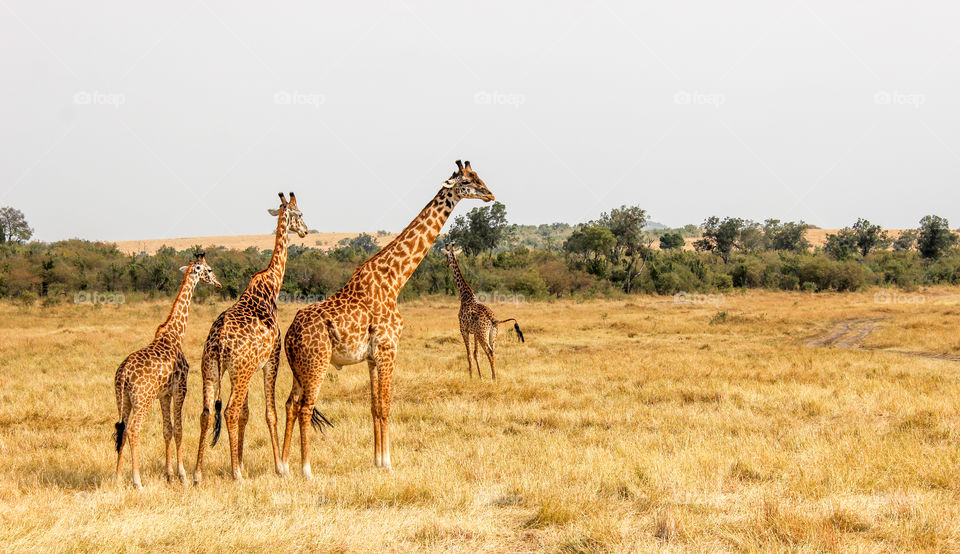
621 425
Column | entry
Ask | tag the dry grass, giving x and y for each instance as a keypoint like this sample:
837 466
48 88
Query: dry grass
630 425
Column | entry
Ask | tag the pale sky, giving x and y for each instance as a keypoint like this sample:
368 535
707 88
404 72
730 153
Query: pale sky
134 120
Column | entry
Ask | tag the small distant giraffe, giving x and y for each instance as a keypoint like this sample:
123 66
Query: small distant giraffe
476 319
361 322
161 370
243 339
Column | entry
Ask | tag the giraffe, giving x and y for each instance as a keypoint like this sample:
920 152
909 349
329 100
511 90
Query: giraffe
361 321
159 369
243 339
476 319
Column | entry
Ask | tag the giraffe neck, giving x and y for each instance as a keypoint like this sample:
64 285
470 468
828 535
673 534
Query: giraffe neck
466 293
399 259
176 322
278 262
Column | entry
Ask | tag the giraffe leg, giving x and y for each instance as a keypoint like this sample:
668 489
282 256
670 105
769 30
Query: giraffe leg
375 412
270 402
166 400
466 343
179 395
137 416
489 350
307 401
124 417
385 368
232 416
241 430
293 404
476 348
210 370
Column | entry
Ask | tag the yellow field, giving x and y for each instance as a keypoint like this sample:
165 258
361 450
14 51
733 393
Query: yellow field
634 425
242 242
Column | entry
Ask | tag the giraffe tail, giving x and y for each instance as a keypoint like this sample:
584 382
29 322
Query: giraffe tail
318 420
118 434
217 422
516 327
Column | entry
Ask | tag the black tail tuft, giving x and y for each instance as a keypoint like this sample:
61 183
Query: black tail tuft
516 327
318 420
118 434
217 423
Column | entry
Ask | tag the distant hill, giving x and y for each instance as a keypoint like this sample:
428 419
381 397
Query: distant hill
550 235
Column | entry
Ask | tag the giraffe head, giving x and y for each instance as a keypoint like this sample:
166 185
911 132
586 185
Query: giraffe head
451 254
200 268
293 215
467 184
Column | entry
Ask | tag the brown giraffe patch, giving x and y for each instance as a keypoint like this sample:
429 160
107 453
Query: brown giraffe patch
243 339
476 319
159 369
361 321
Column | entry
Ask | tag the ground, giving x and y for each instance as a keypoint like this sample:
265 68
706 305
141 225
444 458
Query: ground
715 422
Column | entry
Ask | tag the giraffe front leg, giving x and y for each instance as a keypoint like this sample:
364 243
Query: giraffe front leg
375 412
270 403
166 401
241 431
385 369
179 396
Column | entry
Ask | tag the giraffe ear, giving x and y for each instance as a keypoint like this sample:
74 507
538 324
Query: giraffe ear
184 269
273 212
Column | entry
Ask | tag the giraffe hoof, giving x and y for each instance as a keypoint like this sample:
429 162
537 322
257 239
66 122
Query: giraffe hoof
197 477
307 472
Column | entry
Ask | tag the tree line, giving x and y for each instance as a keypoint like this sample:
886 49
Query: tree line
612 255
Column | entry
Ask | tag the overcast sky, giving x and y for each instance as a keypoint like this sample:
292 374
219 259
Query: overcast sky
133 120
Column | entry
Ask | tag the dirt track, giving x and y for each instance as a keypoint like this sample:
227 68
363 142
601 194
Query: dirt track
850 333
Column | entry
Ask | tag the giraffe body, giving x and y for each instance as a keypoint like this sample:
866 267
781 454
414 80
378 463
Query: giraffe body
362 323
243 339
476 320
158 370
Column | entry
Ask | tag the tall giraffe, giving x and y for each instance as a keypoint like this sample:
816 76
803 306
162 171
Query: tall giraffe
476 319
159 369
243 339
361 321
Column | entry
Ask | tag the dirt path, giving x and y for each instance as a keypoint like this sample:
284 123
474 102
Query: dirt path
849 335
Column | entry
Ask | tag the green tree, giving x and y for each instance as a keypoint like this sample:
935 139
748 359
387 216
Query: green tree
841 245
870 237
935 237
481 230
626 223
907 240
671 241
789 235
720 237
13 226
589 245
